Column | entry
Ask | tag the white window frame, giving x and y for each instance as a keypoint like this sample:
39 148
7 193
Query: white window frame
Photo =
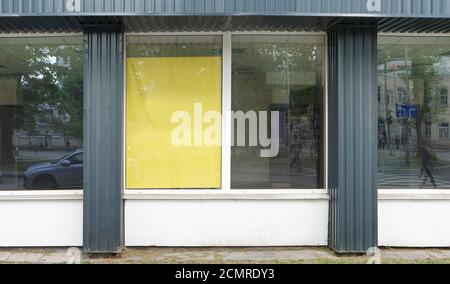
444 129
443 98
25 195
226 192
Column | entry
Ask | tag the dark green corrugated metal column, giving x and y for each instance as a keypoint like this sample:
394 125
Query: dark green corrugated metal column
352 130
103 95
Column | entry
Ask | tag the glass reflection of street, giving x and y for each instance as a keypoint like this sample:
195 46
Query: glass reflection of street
41 113
282 74
42 169
414 113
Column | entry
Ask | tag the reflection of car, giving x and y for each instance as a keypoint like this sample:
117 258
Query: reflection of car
64 173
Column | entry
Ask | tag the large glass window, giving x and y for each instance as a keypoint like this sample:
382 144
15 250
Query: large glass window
41 113
413 128
277 103
174 105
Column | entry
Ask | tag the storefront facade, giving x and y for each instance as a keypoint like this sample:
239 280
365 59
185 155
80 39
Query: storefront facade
225 123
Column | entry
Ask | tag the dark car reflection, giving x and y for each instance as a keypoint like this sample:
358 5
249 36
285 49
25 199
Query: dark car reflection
65 173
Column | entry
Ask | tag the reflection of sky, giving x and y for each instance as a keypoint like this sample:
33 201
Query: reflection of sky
443 66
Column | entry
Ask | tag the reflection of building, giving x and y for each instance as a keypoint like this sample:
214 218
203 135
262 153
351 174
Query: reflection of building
38 141
45 134
397 87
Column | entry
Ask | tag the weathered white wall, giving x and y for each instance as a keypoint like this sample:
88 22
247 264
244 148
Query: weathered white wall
41 223
415 222
226 222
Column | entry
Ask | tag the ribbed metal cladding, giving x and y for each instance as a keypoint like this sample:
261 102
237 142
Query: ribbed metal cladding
229 7
38 24
103 91
352 138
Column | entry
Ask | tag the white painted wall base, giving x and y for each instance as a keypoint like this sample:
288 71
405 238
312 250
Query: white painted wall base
193 223
415 220
406 219
41 223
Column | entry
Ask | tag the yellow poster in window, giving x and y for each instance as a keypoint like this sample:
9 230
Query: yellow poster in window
157 90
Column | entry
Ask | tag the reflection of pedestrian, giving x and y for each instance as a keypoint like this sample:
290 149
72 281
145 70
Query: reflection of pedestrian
397 142
46 139
295 146
295 152
68 145
426 161
381 140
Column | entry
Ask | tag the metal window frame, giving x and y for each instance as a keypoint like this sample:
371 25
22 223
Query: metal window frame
226 192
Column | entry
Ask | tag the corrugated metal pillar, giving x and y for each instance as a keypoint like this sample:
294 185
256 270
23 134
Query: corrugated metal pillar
352 131
103 99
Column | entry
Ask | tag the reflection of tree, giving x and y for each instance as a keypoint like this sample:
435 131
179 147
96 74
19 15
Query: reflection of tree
426 73
285 58
419 69
50 80
290 57
305 101
53 90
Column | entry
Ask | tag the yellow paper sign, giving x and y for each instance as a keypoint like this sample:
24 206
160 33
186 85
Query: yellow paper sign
157 88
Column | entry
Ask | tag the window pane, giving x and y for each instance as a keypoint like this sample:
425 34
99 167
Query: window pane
277 100
413 128
174 104
41 113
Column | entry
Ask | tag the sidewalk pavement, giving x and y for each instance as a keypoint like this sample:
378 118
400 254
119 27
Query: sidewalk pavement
291 255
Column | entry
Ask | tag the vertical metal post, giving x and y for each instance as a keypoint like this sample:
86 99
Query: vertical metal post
103 100
352 138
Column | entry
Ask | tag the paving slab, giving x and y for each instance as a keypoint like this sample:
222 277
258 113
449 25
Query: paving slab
441 254
54 258
389 255
414 255
134 259
296 255
234 256
325 255
270 255
24 257
4 256
186 256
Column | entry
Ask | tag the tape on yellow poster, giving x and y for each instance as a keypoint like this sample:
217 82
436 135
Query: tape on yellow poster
157 88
